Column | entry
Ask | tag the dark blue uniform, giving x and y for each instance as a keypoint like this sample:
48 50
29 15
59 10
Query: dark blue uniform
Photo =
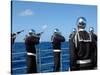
94 49
30 43
13 36
56 42
72 49
82 51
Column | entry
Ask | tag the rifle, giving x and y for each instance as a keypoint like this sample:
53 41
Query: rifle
19 32
39 34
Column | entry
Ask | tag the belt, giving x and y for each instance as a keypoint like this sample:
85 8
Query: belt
83 61
33 54
57 50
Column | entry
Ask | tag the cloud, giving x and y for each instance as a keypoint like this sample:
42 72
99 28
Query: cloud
26 12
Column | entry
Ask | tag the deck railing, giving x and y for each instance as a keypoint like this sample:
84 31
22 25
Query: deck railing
39 61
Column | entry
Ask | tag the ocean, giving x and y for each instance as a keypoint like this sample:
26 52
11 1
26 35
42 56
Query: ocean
44 57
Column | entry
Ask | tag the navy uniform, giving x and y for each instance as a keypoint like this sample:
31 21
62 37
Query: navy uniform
13 36
83 52
94 47
30 42
57 38
73 56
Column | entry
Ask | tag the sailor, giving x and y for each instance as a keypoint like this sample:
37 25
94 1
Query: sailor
83 52
56 39
94 47
91 31
13 36
73 64
30 42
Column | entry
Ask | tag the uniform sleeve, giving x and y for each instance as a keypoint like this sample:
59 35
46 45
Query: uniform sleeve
72 50
61 38
37 40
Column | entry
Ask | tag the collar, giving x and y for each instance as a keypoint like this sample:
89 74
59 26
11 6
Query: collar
81 29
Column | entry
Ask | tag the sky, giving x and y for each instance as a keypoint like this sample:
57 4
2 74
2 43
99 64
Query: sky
46 17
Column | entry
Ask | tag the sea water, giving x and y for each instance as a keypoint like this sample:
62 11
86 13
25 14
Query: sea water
45 61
